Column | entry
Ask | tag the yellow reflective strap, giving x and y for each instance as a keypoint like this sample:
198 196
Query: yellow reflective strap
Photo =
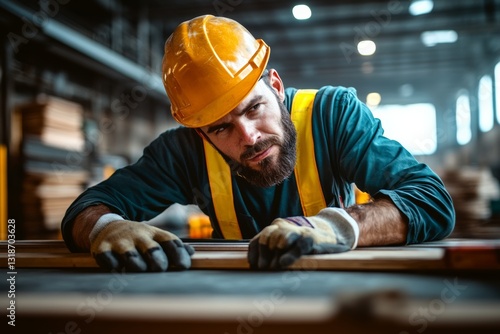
219 177
306 171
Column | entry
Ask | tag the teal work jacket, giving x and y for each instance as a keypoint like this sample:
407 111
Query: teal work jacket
349 147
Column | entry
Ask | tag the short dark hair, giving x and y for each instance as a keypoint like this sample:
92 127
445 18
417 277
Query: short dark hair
265 77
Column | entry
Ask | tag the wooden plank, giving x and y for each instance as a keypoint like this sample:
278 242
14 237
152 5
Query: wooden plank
52 260
355 260
390 303
467 256
360 259
206 245
388 312
177 307
37 246
58 246
460 242
473 257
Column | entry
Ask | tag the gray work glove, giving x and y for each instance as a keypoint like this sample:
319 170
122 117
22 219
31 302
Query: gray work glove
280 244
118 243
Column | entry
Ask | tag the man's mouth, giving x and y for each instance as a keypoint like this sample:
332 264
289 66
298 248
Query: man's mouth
259 156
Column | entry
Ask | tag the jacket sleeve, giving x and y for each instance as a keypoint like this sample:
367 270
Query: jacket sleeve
383 167
142 190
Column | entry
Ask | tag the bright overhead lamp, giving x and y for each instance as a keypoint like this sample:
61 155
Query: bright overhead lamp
301 12
420 7
373 99
366 48
431 38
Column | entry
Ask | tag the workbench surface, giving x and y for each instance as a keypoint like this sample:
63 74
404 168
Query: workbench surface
310 298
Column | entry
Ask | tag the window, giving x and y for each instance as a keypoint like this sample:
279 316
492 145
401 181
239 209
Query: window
413 125
463 119
485 95
497 90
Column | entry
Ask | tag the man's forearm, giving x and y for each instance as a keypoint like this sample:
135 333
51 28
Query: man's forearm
380 223
84 223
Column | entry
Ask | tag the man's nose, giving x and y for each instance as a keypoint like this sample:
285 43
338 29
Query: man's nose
249 134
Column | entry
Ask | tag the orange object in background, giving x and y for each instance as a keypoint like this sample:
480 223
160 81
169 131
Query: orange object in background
361 196
108 170
199 227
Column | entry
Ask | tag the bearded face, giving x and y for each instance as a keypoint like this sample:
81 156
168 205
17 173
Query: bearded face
257 138
271 170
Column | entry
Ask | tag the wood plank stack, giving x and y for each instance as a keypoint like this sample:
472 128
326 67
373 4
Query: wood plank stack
56 122
473 189
54 163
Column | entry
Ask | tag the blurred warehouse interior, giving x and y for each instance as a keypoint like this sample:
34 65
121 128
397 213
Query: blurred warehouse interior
81 93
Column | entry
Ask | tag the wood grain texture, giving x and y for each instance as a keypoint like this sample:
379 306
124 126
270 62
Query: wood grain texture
455 254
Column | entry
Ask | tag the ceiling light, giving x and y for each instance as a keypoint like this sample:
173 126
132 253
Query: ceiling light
431 38
373 99
420 7
366 48
301 12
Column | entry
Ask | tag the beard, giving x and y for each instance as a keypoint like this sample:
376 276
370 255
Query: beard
272 171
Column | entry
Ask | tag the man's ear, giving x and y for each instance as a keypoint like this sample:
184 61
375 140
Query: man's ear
276 83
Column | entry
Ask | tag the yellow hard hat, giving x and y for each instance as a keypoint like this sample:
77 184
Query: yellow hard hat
210 65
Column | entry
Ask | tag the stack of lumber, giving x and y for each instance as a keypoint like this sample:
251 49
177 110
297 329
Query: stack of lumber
473 189
54 163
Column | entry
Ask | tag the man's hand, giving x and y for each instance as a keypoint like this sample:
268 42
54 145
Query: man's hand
280 244
138 247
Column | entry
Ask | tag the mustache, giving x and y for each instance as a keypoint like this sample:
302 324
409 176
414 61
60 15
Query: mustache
258 147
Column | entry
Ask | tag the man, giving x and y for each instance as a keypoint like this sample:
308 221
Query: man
264 163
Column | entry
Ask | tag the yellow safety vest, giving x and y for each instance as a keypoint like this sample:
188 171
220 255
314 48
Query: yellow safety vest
306 171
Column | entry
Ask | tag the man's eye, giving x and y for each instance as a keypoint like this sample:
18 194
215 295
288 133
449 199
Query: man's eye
255 107
220 129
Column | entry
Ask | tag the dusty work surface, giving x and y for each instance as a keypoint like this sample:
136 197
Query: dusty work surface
446 286
254 283
244 301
